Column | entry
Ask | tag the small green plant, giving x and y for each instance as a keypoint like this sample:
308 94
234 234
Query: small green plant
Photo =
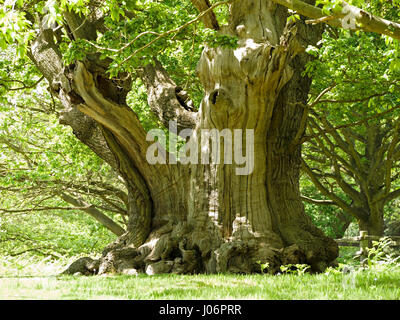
263 266
381 256
298 269
293 17
340 269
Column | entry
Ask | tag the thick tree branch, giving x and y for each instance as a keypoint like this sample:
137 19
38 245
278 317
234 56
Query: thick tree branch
118 119
166 100
318 202
381 94
23 84
46 56
89 133
209 20
18 150
25 210
95 213
392 195
363 20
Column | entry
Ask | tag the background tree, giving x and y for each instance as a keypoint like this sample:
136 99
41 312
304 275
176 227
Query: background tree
353 143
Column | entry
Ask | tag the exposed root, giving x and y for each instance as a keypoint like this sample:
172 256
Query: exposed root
313 247
180 250
83 266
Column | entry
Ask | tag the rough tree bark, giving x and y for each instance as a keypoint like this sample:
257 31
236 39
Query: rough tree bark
205 218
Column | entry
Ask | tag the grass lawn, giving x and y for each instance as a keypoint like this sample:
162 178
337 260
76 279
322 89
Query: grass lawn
30 277
359 285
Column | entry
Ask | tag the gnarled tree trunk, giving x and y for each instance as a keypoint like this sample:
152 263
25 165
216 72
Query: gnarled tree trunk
187 218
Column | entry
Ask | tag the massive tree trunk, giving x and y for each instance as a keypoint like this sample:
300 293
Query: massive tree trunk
216 217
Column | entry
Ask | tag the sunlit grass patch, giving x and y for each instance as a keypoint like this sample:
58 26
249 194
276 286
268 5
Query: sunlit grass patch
30 278
360 285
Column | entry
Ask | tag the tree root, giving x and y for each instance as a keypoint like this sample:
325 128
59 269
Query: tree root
180 250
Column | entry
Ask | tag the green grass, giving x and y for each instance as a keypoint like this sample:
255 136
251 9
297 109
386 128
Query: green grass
359 285
27 277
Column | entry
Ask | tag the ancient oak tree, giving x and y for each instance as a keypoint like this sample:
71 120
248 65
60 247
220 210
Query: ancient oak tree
187 218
